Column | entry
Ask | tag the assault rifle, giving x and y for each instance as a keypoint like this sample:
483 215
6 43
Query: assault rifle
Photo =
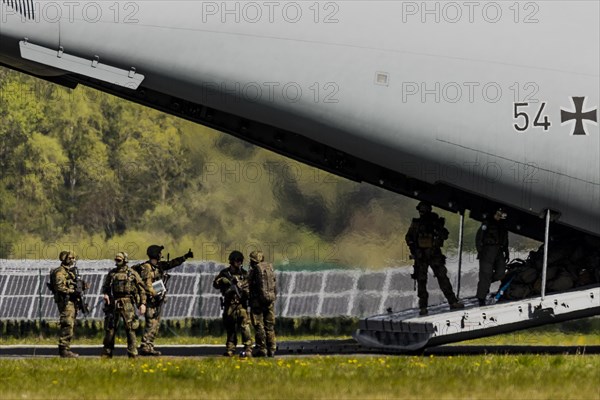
80 287
233 284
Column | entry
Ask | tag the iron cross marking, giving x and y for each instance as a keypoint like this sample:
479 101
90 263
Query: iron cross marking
578 115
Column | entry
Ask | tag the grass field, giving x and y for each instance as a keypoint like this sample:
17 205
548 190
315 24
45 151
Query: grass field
486 377
512 377
332 377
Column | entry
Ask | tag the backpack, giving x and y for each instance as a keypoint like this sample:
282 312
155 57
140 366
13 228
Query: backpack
52 282
264 279
138 267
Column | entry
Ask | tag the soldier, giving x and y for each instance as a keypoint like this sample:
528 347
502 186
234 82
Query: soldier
233 284
263 292
122 290
63 284
492 252
425 238
154 278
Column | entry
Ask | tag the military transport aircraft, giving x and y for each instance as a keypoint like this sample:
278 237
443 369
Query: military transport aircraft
467 105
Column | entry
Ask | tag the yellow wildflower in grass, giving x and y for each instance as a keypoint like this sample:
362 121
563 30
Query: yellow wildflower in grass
55 382
114 371
237 367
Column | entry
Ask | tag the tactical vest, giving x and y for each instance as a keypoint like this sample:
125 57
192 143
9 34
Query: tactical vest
491 236
264 281
121 284
425 236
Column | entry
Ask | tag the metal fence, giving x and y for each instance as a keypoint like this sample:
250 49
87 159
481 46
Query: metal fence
336 292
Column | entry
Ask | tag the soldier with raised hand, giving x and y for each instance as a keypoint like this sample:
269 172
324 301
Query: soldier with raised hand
263 292
425 239
122 291
492 251
154 276
63 284
233 284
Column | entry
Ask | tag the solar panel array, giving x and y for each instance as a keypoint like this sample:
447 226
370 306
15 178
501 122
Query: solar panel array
328 293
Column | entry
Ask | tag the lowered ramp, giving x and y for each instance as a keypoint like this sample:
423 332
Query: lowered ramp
406 330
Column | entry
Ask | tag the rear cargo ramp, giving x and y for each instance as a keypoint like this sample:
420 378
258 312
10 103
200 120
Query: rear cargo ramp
406 330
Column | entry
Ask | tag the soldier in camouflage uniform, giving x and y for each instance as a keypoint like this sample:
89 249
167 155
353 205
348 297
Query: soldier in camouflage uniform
122 290
262 305
152 271
425 238
233 284
492 251
63 284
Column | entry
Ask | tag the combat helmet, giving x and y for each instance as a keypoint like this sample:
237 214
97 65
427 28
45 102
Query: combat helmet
257 256
65 255
424 206
501 213
122 256
236 256
154 251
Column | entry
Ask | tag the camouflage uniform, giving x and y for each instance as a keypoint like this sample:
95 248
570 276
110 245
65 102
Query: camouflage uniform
235 306
262 313
425 238
63 283
492 250
150 274
125 289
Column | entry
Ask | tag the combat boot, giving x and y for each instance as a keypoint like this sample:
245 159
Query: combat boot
66 353
423 311
228 353
246 353
259 353
106 353
148 351
270 353
456 306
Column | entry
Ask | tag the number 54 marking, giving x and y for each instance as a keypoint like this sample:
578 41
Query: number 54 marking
540 121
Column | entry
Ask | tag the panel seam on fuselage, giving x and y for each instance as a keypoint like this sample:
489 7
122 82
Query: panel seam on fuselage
515 161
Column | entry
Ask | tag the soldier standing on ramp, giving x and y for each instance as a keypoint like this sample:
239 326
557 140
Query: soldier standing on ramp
153 272
263 292
425 238
122 290
492 251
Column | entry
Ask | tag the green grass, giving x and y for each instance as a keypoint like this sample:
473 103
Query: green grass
332 377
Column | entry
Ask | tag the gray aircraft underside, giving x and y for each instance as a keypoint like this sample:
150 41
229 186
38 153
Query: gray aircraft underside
472 96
